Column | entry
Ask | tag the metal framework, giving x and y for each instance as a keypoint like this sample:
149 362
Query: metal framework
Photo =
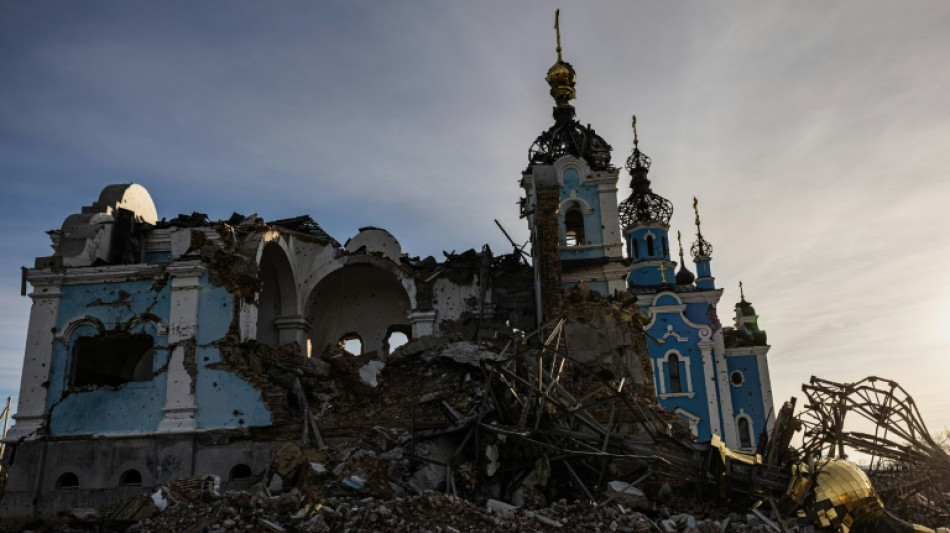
907 466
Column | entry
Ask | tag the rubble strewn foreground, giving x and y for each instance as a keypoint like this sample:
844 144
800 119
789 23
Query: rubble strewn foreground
346 492
451 435
537 432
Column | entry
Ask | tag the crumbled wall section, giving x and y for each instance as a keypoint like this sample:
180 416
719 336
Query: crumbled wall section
549 262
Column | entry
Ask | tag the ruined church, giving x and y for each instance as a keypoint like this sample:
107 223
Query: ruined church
160 348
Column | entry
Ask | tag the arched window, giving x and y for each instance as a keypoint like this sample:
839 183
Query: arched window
67 480
634 249
352 343
574 227
676 385
745 433
666 247
396 337
130 477
650 245
239 472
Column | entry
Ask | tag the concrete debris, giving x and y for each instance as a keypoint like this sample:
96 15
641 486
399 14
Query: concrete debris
466 436
626 494
370 371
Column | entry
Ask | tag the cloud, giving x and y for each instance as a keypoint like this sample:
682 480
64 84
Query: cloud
814 136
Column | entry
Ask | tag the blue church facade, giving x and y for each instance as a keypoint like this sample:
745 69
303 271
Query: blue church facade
715 377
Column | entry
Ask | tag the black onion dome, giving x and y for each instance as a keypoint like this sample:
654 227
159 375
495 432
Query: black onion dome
568 137
744 308
684 276
643 205
701 249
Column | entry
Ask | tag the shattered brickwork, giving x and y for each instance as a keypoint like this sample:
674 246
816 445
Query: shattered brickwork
546 243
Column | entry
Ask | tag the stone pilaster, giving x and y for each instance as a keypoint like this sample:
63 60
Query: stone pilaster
293 328
31 408
180 409
423 323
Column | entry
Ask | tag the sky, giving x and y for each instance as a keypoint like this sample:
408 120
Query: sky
815 134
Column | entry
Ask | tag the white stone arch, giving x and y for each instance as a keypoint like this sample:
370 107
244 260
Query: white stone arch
751 434
69 330
662 365
142 320
691 418
405 279
574 200
358 294
568 161
277 302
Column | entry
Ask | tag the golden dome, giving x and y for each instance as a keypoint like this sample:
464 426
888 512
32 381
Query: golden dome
561 77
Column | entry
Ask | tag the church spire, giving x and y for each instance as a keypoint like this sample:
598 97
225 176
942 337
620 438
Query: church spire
683 275
701 248
702 254
561 76
643 206
567 136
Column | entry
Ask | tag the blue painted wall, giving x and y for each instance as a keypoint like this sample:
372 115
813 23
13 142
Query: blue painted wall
593 225
686 348
133 407
638 249
748 396
224 400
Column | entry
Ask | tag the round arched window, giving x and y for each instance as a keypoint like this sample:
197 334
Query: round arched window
736 378
131 477
239 472
67 480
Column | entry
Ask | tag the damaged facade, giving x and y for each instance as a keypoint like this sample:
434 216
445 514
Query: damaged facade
153 345
715 377
165 349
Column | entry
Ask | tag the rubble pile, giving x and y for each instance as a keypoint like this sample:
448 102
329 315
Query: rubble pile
544 433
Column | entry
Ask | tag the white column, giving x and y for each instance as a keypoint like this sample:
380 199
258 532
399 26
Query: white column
180 405
610 219
709 377
765 381
31 408
423 323
730 431
294 328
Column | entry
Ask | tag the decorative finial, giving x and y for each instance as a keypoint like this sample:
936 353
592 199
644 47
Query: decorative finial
663 273
741 292
701 248
561 76
679 239
636 141
696 210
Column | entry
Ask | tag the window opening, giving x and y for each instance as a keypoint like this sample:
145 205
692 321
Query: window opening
67 480
676 384
745 433
130 477
574 227
650 245
352 344
635 249
239 472
736 378
394 339
112 359
666 247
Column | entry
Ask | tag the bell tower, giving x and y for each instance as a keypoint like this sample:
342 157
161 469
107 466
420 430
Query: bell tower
571 160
